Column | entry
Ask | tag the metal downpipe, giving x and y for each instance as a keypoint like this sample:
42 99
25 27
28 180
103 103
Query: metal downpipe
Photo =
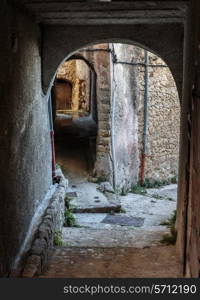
145 129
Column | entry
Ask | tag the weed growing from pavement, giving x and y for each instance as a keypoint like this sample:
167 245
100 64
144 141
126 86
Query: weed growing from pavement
171 237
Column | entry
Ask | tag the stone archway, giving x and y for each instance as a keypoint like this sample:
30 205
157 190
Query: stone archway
165 40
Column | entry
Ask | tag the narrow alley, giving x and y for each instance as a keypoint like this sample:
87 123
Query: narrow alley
121 230
99 131
109 235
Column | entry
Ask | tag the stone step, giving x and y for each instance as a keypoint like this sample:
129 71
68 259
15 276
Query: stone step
111 236
88 199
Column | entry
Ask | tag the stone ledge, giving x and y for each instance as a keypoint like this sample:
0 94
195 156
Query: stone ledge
52 222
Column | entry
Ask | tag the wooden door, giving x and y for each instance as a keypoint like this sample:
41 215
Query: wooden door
63 94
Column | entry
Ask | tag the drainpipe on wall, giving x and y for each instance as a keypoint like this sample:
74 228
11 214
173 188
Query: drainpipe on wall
145 129
52 137
112 88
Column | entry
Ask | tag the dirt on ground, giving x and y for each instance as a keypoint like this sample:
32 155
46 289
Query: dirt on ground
149 262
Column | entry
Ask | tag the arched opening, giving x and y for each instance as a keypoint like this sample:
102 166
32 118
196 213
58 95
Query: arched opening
74 113
131 191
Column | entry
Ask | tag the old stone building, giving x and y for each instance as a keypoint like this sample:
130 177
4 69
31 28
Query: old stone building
36 37
136 107
77 73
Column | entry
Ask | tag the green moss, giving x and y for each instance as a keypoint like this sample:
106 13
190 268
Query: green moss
124 192
70 220
122 210
67 201
170 199
58 238
137 189
150 183
101 179
169 239
156 196
174 179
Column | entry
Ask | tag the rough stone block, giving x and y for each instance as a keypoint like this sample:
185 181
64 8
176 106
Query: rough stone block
39 247
33 266
30 271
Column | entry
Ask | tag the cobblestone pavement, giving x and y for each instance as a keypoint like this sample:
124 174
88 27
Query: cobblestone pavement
149 262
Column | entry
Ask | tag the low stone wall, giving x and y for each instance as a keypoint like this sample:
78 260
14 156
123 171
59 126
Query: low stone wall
52 222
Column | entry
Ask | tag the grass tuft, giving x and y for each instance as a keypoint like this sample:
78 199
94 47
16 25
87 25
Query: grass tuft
70 220
137 189
170 239
58 238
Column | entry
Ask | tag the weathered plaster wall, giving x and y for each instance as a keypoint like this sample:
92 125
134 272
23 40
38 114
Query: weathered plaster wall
163 124
125 98
25 151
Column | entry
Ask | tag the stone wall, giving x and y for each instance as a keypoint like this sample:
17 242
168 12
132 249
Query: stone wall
99 57
25 148
163 121
36 258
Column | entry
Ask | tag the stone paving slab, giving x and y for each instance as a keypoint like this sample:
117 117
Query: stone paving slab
169 192
123 220
90 200
153 210
112 237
